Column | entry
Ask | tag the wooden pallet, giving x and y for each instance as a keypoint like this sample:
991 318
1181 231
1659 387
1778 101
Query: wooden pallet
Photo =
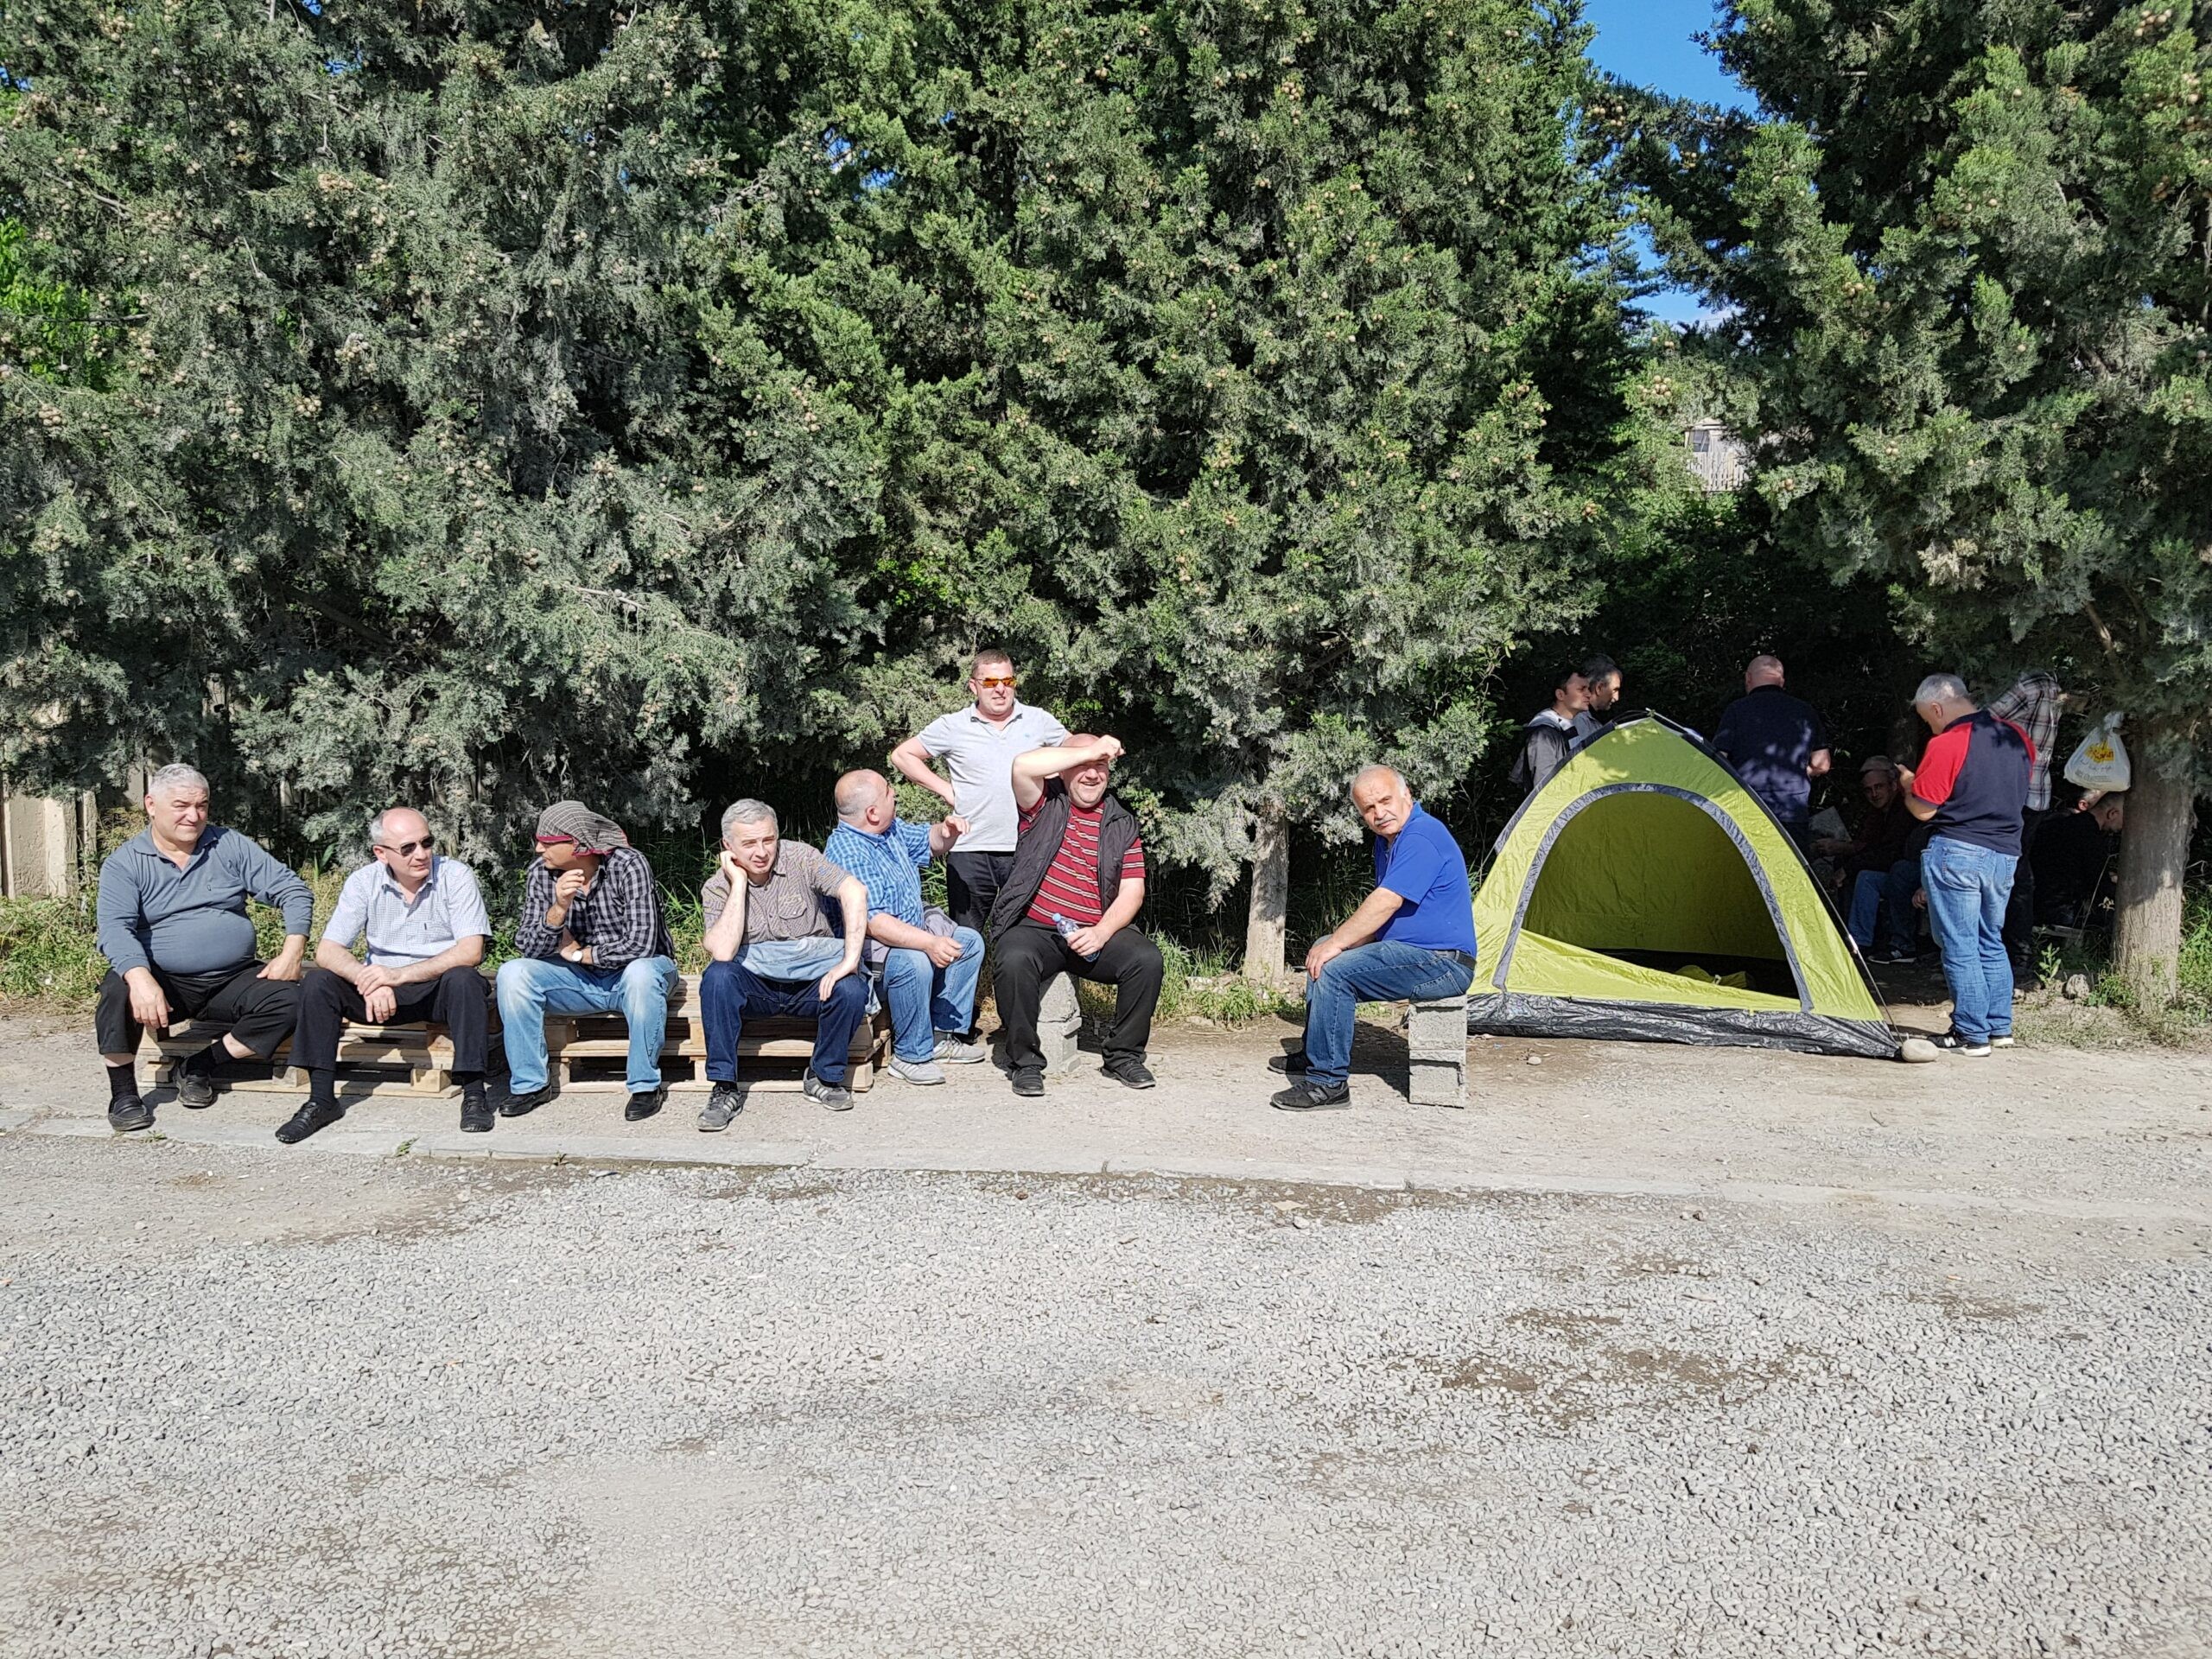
412 1059
586 1053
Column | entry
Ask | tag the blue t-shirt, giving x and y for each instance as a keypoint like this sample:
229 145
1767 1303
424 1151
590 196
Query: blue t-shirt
1770 738
1424 867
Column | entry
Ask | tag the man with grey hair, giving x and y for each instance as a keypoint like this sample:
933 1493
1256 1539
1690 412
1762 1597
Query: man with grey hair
1971 789
779 949
424 927
173 927
1413 936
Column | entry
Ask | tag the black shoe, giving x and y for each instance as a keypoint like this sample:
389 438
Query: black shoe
128 1114
475 1109
1312 1098
316 1114
1129 1070
643 1104
521 1105
1291 1064
195 1084
1029 1083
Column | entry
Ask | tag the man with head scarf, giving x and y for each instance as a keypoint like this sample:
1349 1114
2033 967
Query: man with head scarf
593 940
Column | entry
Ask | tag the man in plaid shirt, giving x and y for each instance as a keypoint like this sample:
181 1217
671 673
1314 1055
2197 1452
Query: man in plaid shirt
592 940
2032 704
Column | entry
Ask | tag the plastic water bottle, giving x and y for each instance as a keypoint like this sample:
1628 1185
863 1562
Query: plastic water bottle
1068 930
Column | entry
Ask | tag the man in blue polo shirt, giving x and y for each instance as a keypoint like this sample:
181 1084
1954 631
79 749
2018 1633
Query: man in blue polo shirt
1413 936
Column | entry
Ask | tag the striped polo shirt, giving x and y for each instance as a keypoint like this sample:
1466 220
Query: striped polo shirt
1070 885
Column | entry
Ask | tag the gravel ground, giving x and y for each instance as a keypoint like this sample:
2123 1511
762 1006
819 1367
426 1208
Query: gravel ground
260 1404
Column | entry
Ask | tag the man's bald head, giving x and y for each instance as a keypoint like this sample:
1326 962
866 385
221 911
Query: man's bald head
1763 671
864 799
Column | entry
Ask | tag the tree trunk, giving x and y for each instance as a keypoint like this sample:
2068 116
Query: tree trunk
2153 852
1265 918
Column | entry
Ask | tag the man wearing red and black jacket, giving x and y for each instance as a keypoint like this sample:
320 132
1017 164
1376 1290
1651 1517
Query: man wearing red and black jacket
1971 790
1078 883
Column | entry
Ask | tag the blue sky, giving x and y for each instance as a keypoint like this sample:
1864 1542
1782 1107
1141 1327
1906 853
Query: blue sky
1648 41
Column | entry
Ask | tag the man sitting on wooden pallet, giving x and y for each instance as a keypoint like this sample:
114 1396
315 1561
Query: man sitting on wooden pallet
425 927
174 929
776 952
593 940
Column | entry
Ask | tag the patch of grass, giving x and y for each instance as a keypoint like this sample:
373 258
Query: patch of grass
1200 985
47 951
2188 1018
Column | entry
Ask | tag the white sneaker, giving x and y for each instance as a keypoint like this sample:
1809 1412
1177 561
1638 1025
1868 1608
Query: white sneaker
925 1072
953 1049
2005 1041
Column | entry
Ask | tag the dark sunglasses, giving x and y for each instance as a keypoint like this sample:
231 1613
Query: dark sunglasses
408 850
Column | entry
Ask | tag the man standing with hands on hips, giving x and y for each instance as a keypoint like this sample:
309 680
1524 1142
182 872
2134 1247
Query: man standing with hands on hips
978 745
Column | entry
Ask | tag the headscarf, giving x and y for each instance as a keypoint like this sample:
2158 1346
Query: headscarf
573 821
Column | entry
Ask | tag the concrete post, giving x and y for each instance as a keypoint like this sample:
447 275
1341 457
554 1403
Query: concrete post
1436 1052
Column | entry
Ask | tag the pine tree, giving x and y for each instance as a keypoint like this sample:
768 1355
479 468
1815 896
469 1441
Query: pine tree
1968 252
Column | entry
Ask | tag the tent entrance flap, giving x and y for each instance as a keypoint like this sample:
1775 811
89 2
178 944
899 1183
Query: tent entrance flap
1656 878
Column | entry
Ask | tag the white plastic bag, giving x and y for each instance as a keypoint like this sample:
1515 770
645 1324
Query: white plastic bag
2101 762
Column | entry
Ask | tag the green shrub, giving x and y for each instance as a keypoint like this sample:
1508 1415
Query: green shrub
47 951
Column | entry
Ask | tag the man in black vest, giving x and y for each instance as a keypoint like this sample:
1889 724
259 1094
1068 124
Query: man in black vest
1077 885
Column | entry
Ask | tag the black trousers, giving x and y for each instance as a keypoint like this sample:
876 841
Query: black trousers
2020 910
459 999
259 1011
972 881
1028 955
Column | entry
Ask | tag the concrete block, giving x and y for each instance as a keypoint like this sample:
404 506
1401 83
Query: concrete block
1436 1052
1059 1023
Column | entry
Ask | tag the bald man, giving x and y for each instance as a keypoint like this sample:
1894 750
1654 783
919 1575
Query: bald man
928 965
1778 747
1413 936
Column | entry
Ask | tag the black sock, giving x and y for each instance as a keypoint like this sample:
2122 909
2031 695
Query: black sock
204 1063
322 1084
122 1082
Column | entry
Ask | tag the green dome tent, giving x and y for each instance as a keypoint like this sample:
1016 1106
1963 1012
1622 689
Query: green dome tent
1645 893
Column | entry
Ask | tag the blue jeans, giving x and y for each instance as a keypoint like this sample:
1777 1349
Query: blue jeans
1881 902
530 987
926 998
1968 887
728 991
1384 972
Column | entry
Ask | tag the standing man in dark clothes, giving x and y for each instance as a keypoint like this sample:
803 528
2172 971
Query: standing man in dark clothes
593 940
423 923
1077 885
1778 747
1601 690
1413 936
174 929
1548 737
2031 702
1971 787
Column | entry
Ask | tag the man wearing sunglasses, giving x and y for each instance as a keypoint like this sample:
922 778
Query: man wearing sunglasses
422 921
978 745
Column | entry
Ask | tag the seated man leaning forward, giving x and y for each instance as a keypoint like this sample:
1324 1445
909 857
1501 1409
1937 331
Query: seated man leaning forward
1413 936
1076 884
930 966
776 951
423 925
179 944
592 940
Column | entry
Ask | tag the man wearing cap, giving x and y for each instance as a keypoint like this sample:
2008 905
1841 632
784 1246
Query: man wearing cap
593 940
423 925
1413 936
978 745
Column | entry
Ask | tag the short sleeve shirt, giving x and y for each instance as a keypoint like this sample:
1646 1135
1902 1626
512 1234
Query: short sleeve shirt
1770 738
889 866
447 908
1975 774
1070 889
798 901
980 757
1424 867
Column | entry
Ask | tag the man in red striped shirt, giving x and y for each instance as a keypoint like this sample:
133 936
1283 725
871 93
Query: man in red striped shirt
1077 885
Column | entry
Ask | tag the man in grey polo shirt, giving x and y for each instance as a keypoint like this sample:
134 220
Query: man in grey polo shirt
978 744
423 921
174 929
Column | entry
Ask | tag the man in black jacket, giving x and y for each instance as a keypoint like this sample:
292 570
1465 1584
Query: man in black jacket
1076 885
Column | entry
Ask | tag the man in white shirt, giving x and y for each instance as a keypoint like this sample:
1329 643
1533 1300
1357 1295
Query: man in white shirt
423 925
978 745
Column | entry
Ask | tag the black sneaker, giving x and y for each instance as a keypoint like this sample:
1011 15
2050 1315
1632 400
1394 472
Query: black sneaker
1951 1043
1130 1071
1029 1083
1312 1098
475 1109
1895 958
316 1114
1291 1064
516 1105
129 1114
643 1104
726 1102
195 1081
